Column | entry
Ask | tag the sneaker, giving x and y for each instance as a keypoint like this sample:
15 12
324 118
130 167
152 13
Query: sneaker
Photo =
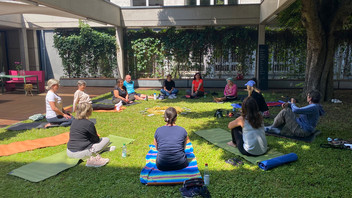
97 161
118 106
174 96
170 97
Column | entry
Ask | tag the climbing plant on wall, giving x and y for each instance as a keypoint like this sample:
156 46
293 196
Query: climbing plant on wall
89 53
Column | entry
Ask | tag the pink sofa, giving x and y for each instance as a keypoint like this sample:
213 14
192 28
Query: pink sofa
29 80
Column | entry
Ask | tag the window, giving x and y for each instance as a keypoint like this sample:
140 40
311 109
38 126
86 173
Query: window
156 2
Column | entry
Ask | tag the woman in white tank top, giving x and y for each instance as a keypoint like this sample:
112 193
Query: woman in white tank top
247 131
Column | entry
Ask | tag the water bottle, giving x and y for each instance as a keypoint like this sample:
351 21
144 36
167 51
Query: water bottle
206 175
154 96
124 150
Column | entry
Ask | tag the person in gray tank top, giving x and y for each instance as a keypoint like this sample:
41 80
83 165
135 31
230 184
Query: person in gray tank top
247 131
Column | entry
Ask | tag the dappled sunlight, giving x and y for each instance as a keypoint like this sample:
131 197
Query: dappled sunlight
305 147
287 145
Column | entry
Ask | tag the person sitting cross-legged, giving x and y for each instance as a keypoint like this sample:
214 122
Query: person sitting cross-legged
55 114
120 94
230 91
170 141
129 84
84 141
247 131
303 125
169 89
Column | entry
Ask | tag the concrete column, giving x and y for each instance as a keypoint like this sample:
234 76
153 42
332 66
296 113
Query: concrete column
146 2
226 2
33 50
119 52
261 41
198 2
212 2
24 46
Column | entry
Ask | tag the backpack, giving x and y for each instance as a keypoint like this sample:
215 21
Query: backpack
194 187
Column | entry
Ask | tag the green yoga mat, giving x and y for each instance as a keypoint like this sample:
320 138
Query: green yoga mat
220 137
47 167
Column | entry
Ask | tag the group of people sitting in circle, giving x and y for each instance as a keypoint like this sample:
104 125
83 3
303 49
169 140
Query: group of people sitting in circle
248 131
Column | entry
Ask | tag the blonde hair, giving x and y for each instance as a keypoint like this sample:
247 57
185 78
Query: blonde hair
83 110
52 82
81 82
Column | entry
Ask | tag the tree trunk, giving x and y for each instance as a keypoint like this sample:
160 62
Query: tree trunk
321 19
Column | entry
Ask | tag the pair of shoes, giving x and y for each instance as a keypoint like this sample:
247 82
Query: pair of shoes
172 96
118 106
234 162
96 161
161 97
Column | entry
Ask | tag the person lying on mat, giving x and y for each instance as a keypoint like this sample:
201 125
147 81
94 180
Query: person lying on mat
129 84
84 142
301 126
247 131
170 141
169 89
230 91
256 94
120 94
197 89
55 114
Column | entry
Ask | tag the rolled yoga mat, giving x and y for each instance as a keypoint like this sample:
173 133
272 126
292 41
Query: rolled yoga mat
277 161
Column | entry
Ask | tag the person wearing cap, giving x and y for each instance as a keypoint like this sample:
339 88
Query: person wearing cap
255 93
53 104
169 88
230 91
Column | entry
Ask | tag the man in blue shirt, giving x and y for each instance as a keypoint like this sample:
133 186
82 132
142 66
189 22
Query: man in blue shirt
129 84
303 125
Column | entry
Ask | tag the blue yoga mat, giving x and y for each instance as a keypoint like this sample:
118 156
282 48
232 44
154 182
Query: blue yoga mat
277 161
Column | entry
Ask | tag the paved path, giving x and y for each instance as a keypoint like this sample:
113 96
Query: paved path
15 106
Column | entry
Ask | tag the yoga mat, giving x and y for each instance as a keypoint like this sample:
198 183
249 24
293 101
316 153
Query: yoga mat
53 165
119 141
274 104
220 137
36 125
44 168
18 147
151 175
308 139
277 161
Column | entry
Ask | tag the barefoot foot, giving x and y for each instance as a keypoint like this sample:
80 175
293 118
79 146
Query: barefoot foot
231 144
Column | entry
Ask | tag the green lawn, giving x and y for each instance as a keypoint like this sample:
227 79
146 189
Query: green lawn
319 172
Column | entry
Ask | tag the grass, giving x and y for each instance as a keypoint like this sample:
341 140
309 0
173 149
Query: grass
319 172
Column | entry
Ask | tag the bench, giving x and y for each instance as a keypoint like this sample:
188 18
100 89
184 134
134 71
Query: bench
29 80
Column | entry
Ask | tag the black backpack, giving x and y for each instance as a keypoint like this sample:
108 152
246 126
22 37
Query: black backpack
194 187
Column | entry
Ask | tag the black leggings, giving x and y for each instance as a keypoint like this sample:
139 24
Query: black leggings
164 167
237 139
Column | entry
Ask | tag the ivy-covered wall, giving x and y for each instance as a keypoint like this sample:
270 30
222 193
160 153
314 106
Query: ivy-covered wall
87 52
224 51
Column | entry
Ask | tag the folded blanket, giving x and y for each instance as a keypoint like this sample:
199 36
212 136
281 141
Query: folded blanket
151 175
277 161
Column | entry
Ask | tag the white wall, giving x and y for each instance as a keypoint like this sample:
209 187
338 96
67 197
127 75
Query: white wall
53 61
174 2
122 3
249 1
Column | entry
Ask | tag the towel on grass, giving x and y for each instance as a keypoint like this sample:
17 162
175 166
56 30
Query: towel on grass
27 145
220 137
277 161
151 175
274 104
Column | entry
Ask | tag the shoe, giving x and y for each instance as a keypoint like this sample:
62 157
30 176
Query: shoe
112 148
118 106
97 161
170 97
174 96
